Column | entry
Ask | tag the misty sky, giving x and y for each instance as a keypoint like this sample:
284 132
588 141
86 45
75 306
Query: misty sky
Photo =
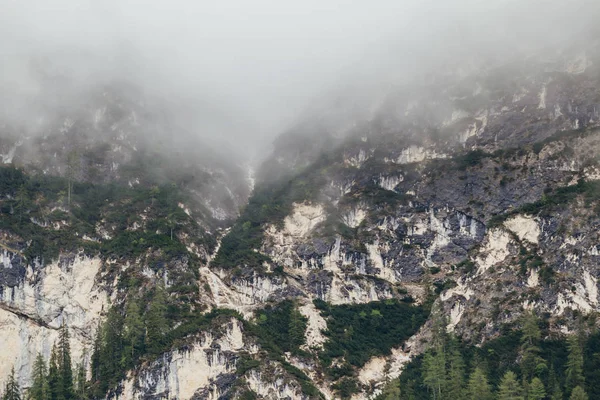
250 67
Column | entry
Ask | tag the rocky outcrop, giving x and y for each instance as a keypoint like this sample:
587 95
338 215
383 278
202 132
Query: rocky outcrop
35 301
198 371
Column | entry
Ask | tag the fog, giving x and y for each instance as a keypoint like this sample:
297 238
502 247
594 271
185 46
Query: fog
243 71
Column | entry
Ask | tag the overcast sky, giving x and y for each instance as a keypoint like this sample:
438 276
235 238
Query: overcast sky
256 64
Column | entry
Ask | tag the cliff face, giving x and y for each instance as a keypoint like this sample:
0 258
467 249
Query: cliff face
475 193
36 301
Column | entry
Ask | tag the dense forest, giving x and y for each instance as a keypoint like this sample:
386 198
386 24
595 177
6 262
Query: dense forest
524 363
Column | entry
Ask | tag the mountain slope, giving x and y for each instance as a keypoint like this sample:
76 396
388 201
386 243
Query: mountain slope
473 196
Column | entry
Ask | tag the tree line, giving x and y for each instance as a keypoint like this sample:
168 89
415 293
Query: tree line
443 373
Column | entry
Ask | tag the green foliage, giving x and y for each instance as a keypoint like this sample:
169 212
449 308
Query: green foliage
553 201
478 387
284 324
270 340
532 364
247 395
536 390
81 389
245 363
578 394
467 266
65 368
12 390
54 386
360 331
346 387
575 362
33 197
134 334
110 369
434 373
471 159
455 377
156 322
39 377
509 388
569 362
392 391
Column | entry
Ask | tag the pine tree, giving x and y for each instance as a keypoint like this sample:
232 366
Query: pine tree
64 365
156 322
80 381
536 390
54 387
557 393
95 360
574 372
434 372
391 391
134 334
408 391
456 372
39 386
12 390
296 329
509 388
478 387
531 362
434 361
578 394
111 354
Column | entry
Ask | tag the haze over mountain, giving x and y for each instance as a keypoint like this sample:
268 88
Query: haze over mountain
300 200
244 71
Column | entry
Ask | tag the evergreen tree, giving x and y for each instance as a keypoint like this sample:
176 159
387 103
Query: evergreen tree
408 391
54 386
456 372
156 321
111 353
80 381
557 394
391 391
509 388
12 390
134 334
574 372
578 394
95 360
478 387
296 329
434 361
554 385
64 365
39 386
434 372
531 362
536 390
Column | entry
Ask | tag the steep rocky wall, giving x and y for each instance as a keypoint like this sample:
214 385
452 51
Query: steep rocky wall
186 373
38 300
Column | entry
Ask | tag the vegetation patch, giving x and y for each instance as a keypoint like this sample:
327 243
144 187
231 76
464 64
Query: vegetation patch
358 332
39 209
554 200
526 362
